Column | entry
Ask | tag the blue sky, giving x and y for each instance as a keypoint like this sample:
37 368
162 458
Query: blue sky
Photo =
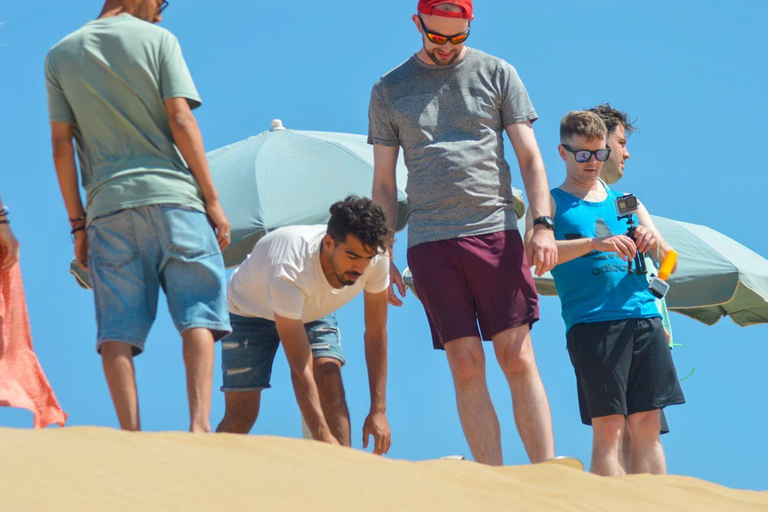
691 72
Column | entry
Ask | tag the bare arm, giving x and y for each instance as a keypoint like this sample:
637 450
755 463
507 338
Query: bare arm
656 243
376 423
541 250
296 346
66 171
385 195
189 140
9 246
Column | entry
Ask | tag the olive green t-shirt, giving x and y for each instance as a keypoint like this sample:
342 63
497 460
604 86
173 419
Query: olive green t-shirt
109 81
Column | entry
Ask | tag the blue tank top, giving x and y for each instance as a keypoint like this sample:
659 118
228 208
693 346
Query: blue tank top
596 287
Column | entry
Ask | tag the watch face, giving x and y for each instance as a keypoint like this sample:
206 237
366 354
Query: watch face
545 221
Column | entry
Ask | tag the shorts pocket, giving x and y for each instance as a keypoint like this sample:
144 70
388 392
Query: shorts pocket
191 235
112 240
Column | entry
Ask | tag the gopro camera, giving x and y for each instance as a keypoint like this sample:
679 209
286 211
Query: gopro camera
626 205
658 287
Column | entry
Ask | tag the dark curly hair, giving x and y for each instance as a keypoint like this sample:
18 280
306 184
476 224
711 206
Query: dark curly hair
613 118
361 218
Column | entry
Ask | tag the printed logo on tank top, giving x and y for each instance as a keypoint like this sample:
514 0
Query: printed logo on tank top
601 230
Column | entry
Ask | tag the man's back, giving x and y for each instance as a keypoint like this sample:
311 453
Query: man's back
109 80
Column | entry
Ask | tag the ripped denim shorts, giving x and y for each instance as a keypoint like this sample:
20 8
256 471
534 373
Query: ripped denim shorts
248 353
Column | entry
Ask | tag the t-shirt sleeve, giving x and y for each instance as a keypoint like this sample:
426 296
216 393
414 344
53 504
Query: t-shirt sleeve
381 130
59 109
379 279
516 106
284 298
175 79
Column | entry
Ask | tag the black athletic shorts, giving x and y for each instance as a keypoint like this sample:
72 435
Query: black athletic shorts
623 367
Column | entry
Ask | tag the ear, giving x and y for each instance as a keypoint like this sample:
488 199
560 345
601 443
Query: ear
328 242
563 152
416 22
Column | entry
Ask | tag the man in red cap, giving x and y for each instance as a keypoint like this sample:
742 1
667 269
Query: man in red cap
448 107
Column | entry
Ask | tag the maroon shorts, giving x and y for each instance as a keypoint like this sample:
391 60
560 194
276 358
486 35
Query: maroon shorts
476 279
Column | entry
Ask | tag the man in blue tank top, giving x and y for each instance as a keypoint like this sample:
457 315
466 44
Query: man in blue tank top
624 371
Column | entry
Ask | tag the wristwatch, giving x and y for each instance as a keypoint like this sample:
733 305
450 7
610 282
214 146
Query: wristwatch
547 222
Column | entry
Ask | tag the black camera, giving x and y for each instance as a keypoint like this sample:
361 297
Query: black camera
626 205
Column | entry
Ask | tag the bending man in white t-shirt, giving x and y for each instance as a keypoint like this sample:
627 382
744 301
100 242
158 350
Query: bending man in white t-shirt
287 290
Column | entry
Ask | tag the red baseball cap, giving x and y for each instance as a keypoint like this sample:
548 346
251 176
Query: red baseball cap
428 7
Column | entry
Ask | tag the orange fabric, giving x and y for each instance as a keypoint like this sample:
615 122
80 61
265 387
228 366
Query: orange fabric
22 381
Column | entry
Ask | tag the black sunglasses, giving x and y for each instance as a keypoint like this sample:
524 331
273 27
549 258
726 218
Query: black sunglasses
441 39
163 6
583 155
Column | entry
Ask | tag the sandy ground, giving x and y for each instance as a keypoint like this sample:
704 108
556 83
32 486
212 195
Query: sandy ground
103 469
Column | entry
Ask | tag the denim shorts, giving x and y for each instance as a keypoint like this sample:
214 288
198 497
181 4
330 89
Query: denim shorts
134 252
248 353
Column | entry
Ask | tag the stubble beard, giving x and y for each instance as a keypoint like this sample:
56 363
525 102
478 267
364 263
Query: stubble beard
433 56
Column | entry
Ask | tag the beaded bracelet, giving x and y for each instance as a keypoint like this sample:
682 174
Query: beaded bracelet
4 211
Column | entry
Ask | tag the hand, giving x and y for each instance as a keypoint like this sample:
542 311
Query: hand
622 245
81 248
396 279
326 437
542 250
645 239
376 425
9 247
220 223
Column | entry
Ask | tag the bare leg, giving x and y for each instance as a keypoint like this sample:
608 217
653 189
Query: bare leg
514 352
198 360
607 432
478 417
327 373
117 361
625 450
647 452
242 409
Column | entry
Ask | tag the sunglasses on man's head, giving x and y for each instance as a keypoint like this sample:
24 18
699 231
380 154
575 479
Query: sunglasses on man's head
163 6
441 39
583 155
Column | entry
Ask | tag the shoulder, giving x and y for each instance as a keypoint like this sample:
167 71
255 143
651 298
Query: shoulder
491 63
393 76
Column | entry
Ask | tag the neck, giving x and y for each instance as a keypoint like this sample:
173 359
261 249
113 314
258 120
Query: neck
583 190
325 265
113 8
423 56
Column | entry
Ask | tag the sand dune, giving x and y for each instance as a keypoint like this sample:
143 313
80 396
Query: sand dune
103 469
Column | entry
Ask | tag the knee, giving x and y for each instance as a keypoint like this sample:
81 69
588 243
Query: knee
328 380
608 429
516 359
467 368
645 425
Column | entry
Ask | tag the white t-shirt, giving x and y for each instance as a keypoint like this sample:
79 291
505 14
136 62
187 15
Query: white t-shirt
283 275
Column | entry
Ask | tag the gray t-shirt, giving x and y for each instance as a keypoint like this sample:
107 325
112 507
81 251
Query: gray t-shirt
449 121
109 80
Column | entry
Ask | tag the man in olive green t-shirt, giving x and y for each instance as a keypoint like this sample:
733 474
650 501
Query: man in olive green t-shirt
121 89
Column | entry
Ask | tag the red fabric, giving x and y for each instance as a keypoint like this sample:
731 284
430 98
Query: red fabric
427 7
22 381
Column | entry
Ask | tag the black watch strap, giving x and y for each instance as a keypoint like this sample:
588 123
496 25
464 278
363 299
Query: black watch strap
547 222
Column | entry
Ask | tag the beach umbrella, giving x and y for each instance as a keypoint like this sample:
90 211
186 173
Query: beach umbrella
716 276
284 177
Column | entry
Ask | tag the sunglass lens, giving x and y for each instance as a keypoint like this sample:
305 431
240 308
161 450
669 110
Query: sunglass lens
583 156
459 39
602 154
437 39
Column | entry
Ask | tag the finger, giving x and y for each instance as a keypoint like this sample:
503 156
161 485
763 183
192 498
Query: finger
387 443
529 256
366 435
398 279
393 298
379 449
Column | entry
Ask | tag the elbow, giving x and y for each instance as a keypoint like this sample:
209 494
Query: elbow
182 121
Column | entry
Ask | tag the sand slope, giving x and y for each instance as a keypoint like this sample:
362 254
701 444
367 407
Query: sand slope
103 469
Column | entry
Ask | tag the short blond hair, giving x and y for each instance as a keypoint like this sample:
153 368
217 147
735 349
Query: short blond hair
583 123
448 7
